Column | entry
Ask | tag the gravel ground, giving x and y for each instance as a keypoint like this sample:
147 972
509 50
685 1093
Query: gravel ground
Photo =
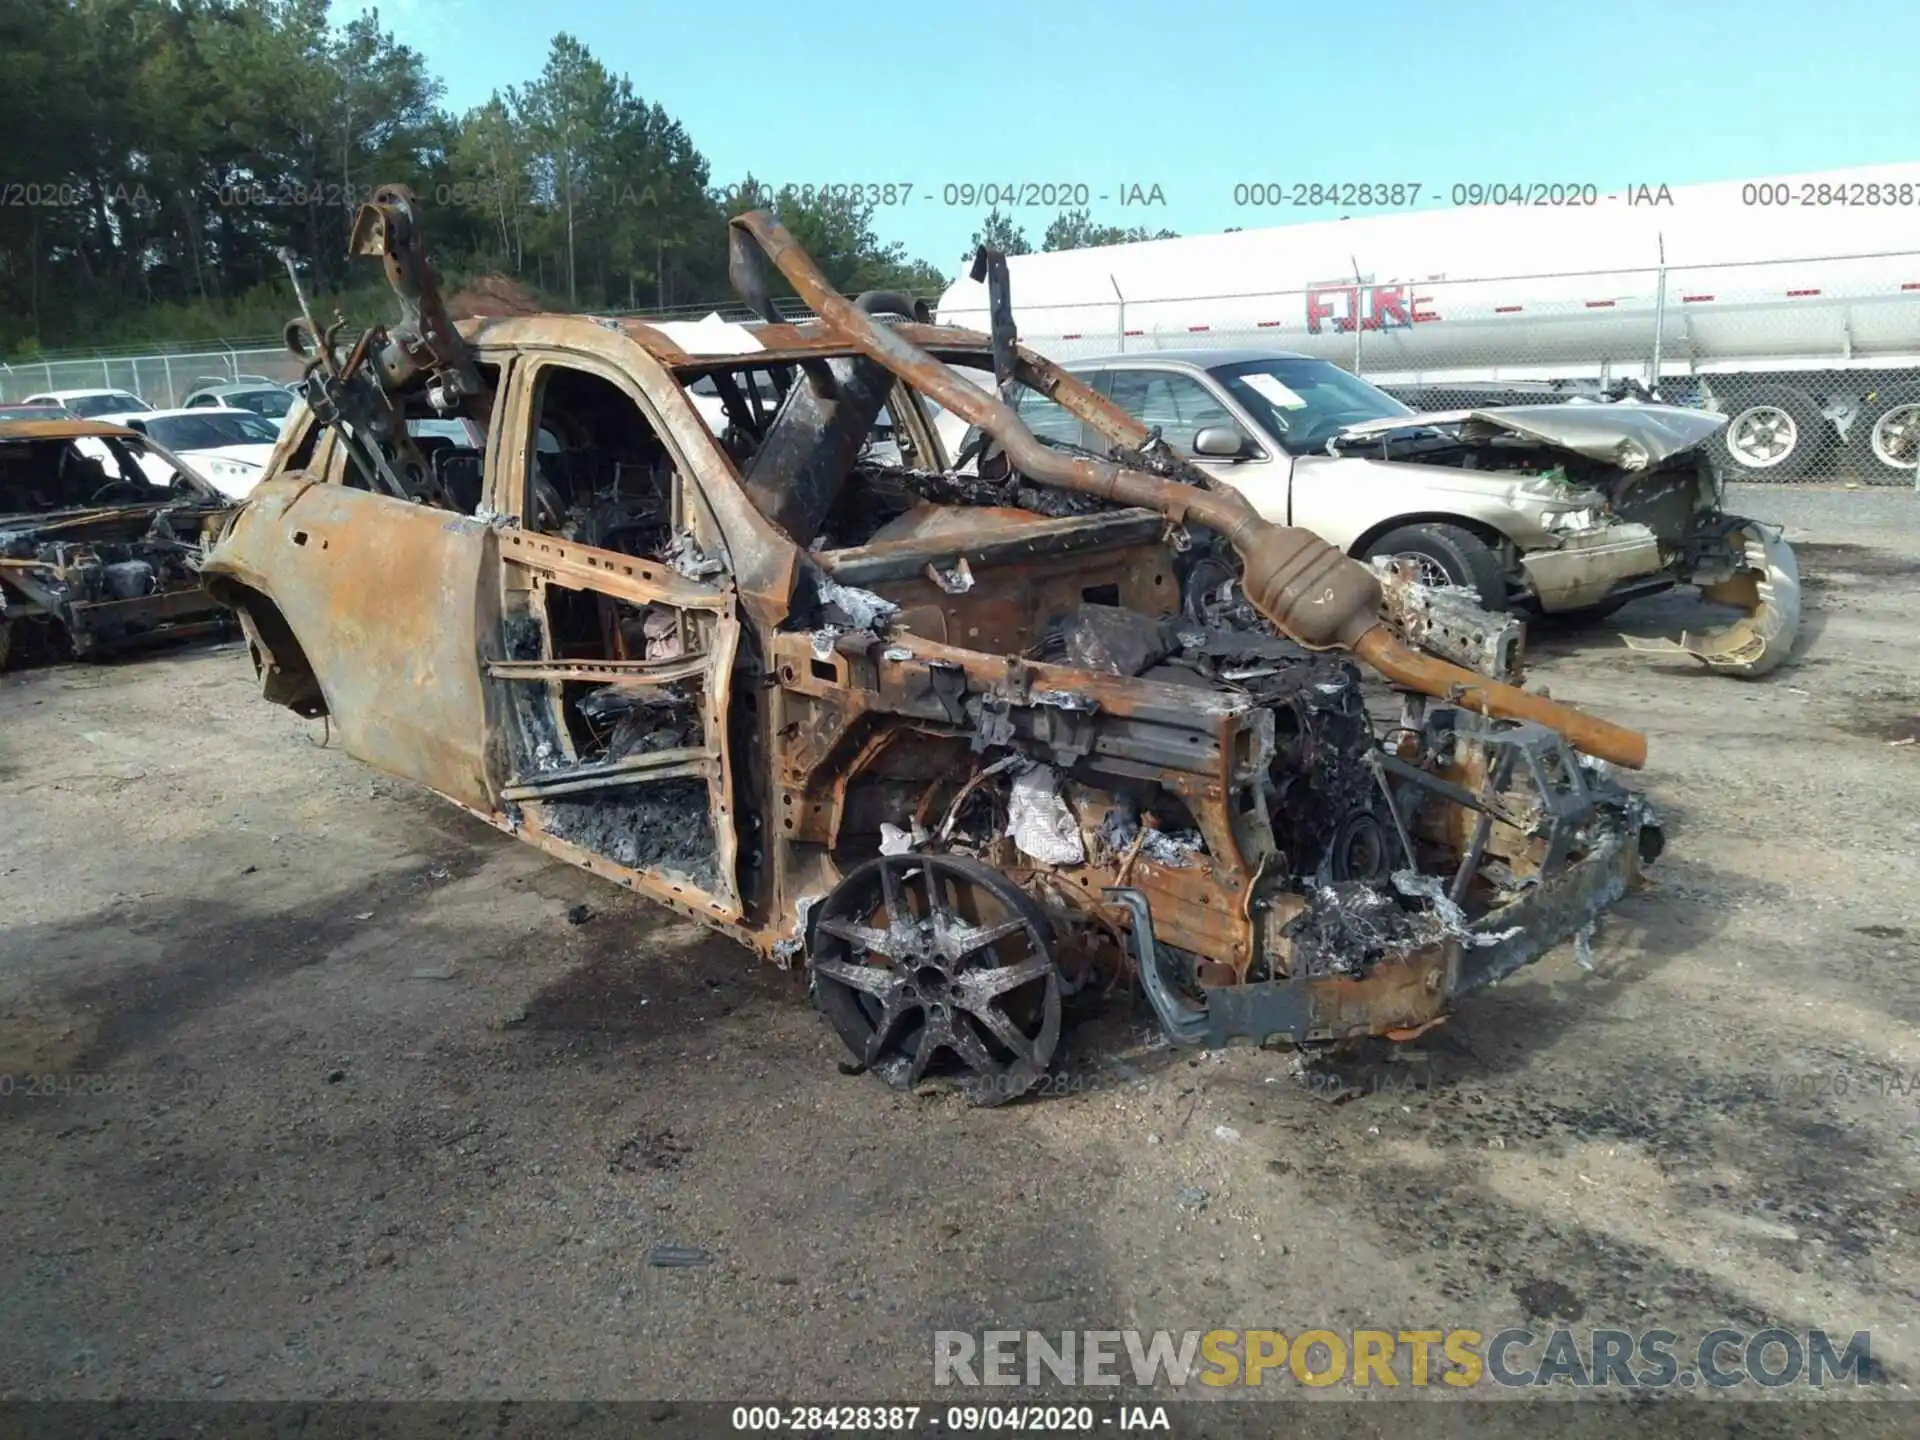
343 1105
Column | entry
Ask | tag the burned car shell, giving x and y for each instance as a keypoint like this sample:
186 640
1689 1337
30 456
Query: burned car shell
1586 504
995 707
102 576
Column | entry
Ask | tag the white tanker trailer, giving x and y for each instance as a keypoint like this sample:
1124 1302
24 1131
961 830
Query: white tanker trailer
1791 304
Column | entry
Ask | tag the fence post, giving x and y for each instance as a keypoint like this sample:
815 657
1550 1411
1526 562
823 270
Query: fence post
166 367
106 372
1357 314
47 365
1659 317
1122 327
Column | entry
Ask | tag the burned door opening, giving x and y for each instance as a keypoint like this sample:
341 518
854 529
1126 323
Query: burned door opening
617 667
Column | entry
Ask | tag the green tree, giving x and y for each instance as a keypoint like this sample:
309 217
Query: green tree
613 186
487 182
173 146
567 114
999 232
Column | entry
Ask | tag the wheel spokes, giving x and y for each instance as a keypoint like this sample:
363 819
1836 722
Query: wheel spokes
873 979
932 1039
894 896
964 939
868 937
894 1006
1005 1031
971 1048
980 987
937 910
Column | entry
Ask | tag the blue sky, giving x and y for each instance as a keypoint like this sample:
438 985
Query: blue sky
1196 96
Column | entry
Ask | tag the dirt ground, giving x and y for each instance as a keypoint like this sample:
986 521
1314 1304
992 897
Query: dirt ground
343 1104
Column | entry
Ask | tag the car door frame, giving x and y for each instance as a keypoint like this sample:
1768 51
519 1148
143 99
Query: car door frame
392 605
529 561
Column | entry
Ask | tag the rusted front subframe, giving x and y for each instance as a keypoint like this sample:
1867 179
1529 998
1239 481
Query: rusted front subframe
1409 992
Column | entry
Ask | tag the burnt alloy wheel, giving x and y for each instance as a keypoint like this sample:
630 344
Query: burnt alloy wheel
930 965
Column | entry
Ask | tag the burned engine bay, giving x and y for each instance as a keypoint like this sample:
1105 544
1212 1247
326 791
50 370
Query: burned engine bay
94 558
1135 789
966 745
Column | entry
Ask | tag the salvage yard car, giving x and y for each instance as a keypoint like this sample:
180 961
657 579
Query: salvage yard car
261 396
90 404
227 448
100 533
1563 509
956 742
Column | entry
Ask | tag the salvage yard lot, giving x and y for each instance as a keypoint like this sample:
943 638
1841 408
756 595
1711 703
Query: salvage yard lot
351 1096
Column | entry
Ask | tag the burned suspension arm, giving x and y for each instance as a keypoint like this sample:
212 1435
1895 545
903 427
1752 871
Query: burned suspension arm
354 394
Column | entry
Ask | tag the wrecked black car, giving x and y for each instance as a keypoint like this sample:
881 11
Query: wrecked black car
97 555
955 743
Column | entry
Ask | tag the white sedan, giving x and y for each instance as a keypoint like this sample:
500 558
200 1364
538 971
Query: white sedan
92 404
226 447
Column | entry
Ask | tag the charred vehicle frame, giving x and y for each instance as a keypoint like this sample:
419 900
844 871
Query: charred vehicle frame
959 743
94 556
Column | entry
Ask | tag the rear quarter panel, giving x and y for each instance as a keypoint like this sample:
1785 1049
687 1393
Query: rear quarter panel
389 601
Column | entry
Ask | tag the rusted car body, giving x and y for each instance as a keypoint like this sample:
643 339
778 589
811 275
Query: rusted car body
959 744
95 552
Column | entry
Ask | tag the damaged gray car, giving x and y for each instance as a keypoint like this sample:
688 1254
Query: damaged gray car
1560 509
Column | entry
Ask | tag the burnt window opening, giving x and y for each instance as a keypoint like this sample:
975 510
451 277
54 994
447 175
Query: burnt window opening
453 447
599 473
896 490
300 457
739 404
39 477
835 451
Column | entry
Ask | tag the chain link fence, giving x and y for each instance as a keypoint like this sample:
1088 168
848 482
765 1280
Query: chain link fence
165 375
162 380
1816 363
